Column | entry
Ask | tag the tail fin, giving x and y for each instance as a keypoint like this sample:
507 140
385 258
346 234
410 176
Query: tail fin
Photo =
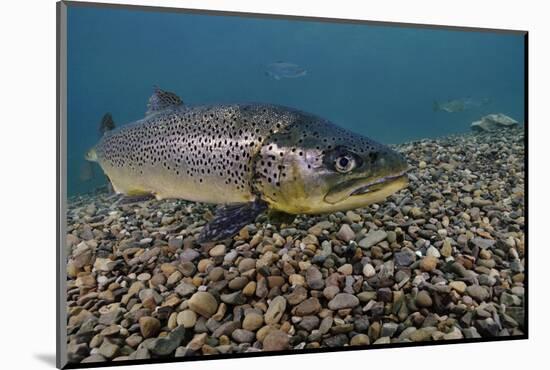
91 155
436 106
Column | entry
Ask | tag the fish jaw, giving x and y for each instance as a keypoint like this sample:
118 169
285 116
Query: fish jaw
362 192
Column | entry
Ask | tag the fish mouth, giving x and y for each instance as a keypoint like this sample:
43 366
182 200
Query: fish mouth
368 188
379 184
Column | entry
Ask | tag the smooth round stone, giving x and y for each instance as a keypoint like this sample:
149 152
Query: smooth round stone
314 278
158 279
343 300
459 286
247 264
187 318
216 274
423 299
144 276
203 303
174 278
238 283
253 321
249 289
243 336
217 251
360 340
330 291
203 264
346 269
368 270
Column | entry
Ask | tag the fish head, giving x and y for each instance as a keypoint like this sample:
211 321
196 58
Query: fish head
316 167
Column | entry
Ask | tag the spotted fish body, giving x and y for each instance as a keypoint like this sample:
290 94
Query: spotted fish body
287 160
203 154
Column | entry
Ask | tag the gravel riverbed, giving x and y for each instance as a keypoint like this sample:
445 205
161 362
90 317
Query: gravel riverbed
440 260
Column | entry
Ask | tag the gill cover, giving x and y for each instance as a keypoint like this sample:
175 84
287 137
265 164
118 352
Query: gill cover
313 166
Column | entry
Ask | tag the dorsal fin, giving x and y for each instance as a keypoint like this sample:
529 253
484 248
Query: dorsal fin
106 124
161 100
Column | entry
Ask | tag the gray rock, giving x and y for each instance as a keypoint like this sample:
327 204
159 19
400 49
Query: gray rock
373 237
309 323
343 300
404 258
243 336
168 344
345 233
388 329
184 289
483 243
493 122
314 278
339 340
108 349
477 292
509 299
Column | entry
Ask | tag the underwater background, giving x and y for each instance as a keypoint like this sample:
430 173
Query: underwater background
379 81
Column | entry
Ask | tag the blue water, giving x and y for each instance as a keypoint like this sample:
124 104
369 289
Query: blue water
380 81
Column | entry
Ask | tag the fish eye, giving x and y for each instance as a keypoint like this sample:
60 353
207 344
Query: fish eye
344 163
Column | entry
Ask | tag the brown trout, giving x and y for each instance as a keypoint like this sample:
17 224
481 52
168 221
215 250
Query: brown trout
248 157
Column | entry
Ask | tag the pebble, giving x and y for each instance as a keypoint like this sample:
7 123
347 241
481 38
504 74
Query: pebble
314 278
477 292
343 300
164 346
275 340
184 289
275 310
372 238
404 258
308 307
253 321
433 252
217 251
149 326
187 318
108 349
423 299
359 340
428 263
345 233
243 336
203 303
459 286
368 270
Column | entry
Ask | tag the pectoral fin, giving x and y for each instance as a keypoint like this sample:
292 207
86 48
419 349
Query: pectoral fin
279 217
230 219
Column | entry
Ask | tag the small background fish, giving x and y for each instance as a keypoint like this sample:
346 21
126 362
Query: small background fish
460 105
280 69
